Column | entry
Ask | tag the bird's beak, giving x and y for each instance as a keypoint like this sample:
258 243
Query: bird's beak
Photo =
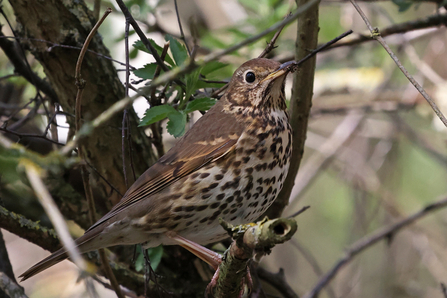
282 70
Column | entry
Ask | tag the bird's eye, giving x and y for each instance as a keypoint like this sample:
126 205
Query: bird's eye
250 77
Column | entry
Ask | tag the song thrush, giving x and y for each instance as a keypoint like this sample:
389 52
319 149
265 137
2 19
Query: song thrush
231 164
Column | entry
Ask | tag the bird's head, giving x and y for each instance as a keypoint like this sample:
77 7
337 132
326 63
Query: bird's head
259 84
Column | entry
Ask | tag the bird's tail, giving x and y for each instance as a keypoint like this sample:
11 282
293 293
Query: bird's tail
85 243
53 259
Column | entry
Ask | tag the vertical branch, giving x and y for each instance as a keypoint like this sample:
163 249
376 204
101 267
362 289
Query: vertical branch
301 101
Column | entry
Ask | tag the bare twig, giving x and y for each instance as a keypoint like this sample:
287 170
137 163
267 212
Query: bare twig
444 290
376 35
45 199
141 35
182 35
21 68
277 280
372 239
24 135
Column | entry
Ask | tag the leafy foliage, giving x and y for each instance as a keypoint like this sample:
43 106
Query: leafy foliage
185 97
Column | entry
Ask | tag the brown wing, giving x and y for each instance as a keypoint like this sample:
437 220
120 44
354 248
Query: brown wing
213 136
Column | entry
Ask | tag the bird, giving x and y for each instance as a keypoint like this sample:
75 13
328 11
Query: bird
230 165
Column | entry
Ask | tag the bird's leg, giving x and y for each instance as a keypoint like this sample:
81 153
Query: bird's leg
208 256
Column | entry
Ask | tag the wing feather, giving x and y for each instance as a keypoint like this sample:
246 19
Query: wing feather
213 136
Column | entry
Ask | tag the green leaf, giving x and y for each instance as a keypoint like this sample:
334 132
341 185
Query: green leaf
156 113
211 67
154 254
178 50
176 124
191 81
139 45
200 104
403 5
147 72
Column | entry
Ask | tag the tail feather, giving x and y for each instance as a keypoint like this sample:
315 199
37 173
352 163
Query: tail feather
85 243
53 259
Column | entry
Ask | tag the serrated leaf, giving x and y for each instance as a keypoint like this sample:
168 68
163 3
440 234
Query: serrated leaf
156 113
147 72
200 104
176 124
139 45
178 50
212 66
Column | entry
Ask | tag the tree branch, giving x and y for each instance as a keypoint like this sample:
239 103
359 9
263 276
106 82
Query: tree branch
301 101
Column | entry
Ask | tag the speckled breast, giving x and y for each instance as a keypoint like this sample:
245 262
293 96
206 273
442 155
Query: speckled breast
240 186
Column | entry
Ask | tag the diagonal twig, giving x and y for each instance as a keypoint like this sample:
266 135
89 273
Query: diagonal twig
372 239
376 35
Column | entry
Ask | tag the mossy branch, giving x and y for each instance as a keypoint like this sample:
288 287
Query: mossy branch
252 240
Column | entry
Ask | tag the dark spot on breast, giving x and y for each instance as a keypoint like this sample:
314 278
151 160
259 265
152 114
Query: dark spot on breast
204 175
249 171
178 217
272 164
233 211
259 181
204 197
195 175
229 199
215 215
245 159
189 215
260 167
214 205
237 172
173 226
189 223
203 219
237 164
218 177
177 209
201 207
223 206
220 196
239 199
259 189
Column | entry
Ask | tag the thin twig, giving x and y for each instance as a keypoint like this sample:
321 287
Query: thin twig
140 34
278 281
47 202
182 35
372 239
376 35
56 45
24 135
